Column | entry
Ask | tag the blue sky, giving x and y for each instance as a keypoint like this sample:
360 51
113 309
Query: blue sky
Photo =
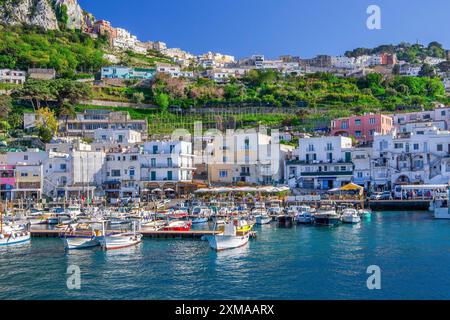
276 27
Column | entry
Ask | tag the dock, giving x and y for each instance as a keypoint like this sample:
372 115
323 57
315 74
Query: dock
193 234
399 205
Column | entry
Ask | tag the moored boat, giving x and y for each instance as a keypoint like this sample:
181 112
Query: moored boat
350 215
120 240
178 225
230 238
326 216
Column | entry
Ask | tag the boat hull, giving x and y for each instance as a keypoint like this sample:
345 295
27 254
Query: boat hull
326 221
120 241
263 219
19 238
199 220
351 219
223 242
441 213
72 243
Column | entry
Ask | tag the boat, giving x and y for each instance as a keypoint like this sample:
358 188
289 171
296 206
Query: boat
73 211
350 215
153 224
178 225
12 237
326 216
230 238
81 239
260 213
304 215
365 212
440 207
119 240
200 214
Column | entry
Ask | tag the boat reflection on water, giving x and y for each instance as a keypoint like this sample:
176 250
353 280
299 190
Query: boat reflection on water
236 254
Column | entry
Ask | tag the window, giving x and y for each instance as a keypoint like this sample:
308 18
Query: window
358 133
153 162
416 146
372 132
133 158
311 147
344 125
329 146
132 172
155 149
372 120
443 113
357 122
223 174
343 168
169 162
171 148
398 145
24 174
153 175
247 144
169 175
359 175
103 137
440 147
25 157
62 166
115 173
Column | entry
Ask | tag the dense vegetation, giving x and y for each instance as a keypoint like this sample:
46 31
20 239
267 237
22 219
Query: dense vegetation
317 91
412 53
68 52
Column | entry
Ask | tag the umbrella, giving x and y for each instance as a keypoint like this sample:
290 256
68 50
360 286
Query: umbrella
169 189
156 190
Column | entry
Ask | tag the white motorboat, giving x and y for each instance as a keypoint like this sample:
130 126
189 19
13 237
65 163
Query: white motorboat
365 212
304 215
326 216
120 240
350 215
260 213
263 219
230 238
73 211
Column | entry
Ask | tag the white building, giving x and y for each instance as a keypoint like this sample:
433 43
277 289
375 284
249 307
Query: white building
320 163
75 174
440 114
122 167
420 156
342 62
166 164
246 156
12 76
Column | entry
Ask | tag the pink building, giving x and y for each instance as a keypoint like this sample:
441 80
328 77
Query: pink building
7 181
363 127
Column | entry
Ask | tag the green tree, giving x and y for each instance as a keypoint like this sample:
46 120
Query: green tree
427 71
162 100
138 97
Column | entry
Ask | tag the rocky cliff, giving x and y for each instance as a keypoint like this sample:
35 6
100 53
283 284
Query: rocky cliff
47 14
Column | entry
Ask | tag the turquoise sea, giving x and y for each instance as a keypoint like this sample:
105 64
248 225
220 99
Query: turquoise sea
303 262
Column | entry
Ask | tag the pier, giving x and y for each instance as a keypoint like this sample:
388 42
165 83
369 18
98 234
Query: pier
193 234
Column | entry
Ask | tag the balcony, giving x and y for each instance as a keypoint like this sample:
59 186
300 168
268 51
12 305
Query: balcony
327 173
244 174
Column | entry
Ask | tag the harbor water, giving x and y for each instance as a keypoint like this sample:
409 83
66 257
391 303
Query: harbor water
303 262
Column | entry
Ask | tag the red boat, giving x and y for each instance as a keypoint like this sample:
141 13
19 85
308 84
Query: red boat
178 225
